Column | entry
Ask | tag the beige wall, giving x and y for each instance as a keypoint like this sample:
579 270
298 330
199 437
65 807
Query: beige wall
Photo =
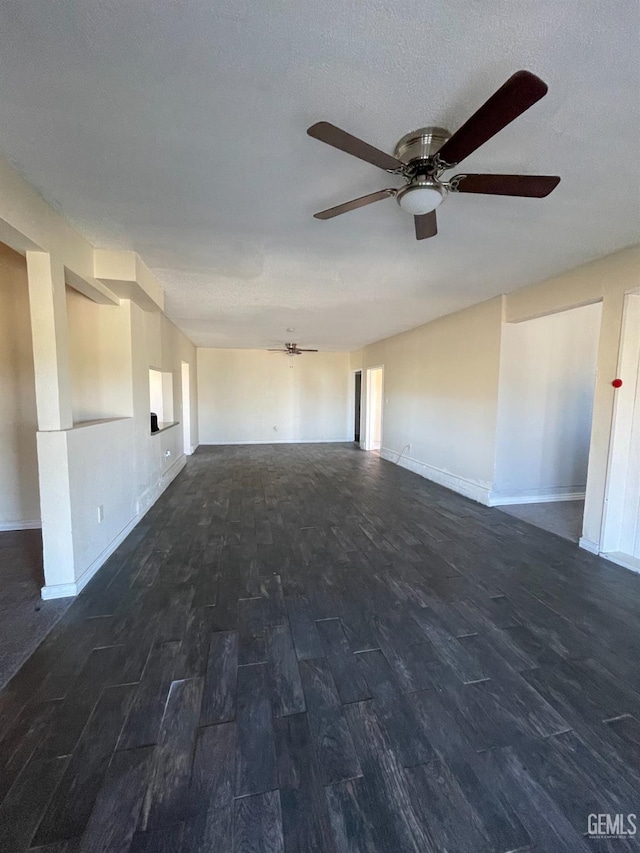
440 396
442 380
250 396
99 359
19 496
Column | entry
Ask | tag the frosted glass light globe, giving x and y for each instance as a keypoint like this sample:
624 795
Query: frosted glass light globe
420 200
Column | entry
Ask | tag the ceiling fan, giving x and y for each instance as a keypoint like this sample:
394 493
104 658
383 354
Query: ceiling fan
423 156
292 349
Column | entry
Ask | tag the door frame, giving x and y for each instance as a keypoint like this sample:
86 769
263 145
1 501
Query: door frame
624 422
368 443
352 404
185 389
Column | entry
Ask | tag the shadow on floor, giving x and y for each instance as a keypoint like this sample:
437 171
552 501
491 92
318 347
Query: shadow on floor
561 517
25 619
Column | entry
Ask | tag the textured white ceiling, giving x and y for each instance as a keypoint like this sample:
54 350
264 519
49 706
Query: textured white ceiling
177 128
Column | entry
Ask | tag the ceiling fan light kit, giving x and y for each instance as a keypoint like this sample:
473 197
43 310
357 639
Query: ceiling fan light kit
421 196
424 155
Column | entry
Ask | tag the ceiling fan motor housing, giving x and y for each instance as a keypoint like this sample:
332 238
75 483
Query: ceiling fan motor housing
421 145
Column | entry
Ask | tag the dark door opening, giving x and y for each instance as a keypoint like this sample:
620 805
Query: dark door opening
356 426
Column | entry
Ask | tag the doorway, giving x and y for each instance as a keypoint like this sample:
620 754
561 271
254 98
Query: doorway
375 382
186 408
357 404
620 540
545 407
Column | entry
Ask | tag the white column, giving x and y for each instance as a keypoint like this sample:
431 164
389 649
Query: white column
49 332
55 506
47 301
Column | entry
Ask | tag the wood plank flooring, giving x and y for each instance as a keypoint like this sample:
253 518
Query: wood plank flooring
25 619
306 648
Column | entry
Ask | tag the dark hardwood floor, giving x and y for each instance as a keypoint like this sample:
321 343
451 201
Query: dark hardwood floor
307 648
25 619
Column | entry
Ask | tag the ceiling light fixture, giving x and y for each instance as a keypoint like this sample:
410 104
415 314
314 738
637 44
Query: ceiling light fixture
421 196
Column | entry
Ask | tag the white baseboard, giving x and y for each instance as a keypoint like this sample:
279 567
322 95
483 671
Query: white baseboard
540 497
66 590
194 447
20 525
617 557
59 590
588 545
148 498
280 441
469 488
625 560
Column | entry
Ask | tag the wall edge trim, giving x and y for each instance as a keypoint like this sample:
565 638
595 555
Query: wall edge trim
59 590
279 441
541 498
33 524
624 560
589 545
468 488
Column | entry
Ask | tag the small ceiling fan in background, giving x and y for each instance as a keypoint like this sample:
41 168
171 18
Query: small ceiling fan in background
292 349
422 157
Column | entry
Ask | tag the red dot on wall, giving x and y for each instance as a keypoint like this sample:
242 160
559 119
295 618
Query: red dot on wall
617 383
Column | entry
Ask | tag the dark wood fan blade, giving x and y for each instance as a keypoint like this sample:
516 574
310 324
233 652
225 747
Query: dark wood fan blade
344 141
520 92
307 350
426 225
277 350
354 204
532 186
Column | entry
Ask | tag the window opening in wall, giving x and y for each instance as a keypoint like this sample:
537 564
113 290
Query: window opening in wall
160 398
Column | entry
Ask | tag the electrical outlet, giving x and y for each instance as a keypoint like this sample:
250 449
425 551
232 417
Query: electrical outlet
100 514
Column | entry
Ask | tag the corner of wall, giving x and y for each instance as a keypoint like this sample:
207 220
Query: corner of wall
473 489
